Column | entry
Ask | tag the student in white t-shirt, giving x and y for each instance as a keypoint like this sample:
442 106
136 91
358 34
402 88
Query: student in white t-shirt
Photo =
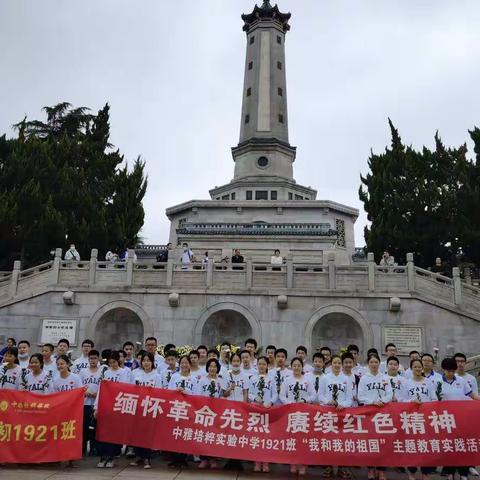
247 363
145 376
428 363
347 368
82 362
418 390
237 379
461 360
196 372
390 351
453 387
301 353
65 380
315 375
23 353
397 381
413 355
281 372
91 378
11 372
166 373
34 379
49 364
357 369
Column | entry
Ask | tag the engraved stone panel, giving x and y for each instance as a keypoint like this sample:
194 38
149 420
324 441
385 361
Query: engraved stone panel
406 338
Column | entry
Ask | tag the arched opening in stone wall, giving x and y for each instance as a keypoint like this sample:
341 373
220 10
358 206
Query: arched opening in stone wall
116 327
226 325
337 330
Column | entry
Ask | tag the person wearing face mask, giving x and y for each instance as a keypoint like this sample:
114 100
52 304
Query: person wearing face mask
24 354
187 256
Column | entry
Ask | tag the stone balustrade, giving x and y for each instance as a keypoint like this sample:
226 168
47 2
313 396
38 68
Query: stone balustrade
367 278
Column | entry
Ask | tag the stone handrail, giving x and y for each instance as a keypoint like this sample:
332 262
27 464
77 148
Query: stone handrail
367 278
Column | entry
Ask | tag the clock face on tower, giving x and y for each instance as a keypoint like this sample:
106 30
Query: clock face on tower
262 162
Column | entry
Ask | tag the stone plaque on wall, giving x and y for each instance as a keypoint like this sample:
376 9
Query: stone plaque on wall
405 337
52 330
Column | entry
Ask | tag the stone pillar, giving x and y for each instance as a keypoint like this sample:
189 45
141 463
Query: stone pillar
92 270
169 271
332 281
249 273
410 273
210 272
371 271
130 259
55 272
468 275
17 265
457 286
290 272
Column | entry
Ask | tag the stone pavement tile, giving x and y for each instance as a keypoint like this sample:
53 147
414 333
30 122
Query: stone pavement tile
159 472
196 474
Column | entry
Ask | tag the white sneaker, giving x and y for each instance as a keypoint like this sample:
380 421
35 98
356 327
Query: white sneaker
110 464
101 464
130 452
473 471
463 477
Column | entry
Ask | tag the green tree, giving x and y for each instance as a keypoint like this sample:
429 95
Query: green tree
413 200
61 181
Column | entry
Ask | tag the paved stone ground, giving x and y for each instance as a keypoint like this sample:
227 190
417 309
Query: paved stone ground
86 470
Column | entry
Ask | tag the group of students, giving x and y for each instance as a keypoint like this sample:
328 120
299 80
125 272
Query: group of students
334 380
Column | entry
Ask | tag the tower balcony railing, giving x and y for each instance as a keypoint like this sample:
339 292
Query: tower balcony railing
263 229
249 277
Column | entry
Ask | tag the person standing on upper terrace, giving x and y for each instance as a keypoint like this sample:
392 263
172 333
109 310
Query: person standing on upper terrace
187 256
237 258
72 254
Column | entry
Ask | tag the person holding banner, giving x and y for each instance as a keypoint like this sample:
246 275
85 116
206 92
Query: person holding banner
213 386
295 389
91 378
183 382
418 390
145 376
36 380
374 388
11 371
336 391
262 391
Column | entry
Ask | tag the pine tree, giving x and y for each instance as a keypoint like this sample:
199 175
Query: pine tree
61 181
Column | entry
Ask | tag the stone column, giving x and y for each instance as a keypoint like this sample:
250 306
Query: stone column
92 269
457 286
332 281
371 271
410 273
55 272
17 265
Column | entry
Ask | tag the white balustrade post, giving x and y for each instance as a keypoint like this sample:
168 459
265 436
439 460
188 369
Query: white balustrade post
371 271
130 259
410 273
92 269
289 272
55 272
17 265
249 273
210 272
169 271
457 286
332 280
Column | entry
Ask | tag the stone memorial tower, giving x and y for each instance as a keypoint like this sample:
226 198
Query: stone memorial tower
263 207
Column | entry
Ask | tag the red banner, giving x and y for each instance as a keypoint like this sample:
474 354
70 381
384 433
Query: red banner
40 428
398 434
